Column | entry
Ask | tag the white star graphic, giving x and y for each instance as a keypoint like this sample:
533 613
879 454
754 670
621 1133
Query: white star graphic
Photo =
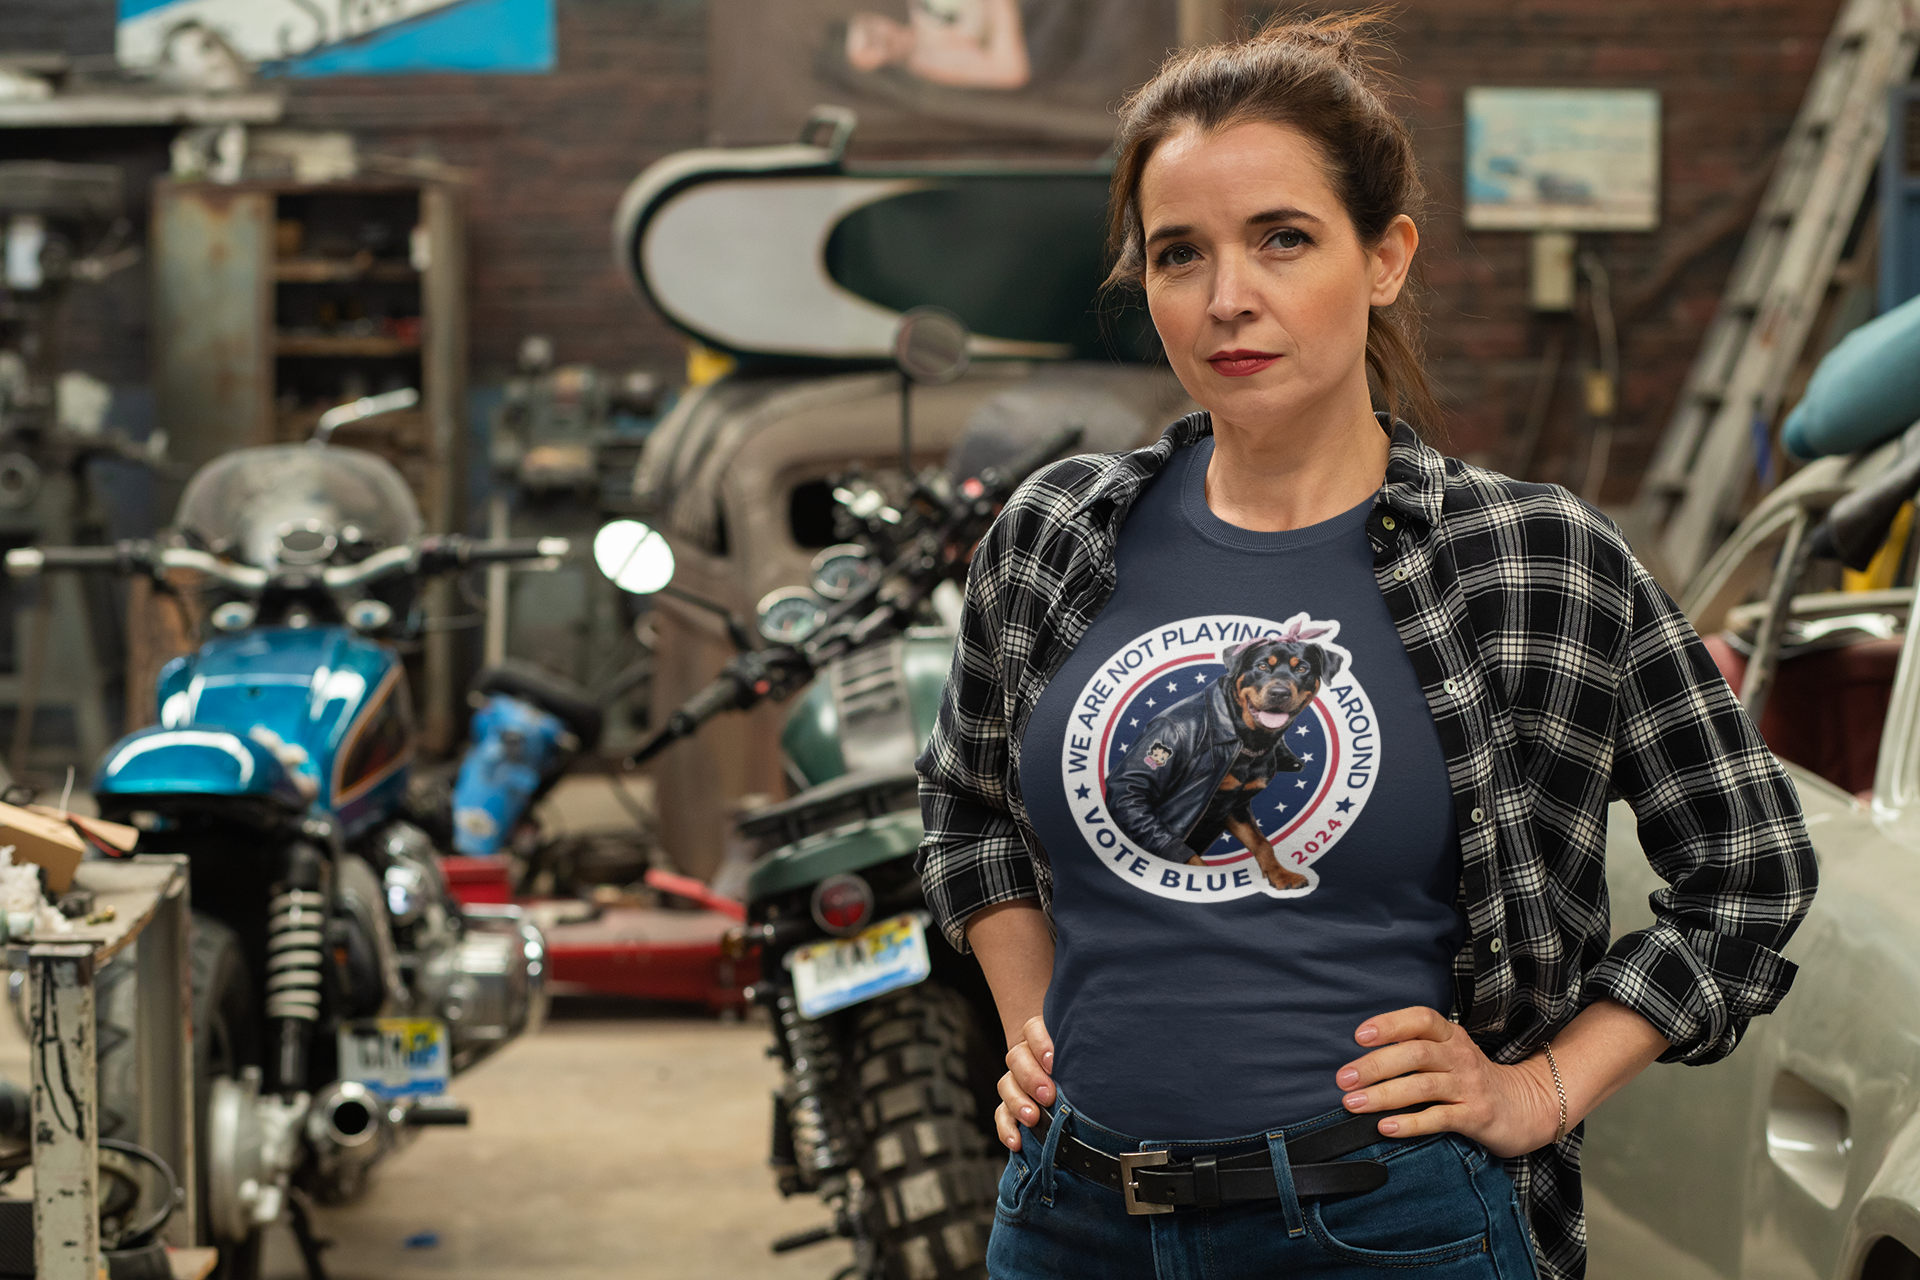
1152 703
1302 731
1279 808
1308 757
1172 687
1200 679
1301 784
1134 723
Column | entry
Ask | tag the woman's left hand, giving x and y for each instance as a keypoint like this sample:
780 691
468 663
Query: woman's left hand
1420 1057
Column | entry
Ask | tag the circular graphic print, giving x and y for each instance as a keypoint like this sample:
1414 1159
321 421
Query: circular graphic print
1223 756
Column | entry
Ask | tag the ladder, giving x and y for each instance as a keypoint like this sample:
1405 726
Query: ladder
1699 474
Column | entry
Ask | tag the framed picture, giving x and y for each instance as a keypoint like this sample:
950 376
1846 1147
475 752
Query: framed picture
1563 159
933 70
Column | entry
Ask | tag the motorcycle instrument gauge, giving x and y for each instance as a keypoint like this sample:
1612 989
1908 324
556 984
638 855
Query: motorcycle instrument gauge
786 616
840 571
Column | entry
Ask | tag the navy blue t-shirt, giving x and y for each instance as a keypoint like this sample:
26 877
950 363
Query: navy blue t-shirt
1245 803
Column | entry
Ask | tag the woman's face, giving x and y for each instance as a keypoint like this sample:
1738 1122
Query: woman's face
1255 277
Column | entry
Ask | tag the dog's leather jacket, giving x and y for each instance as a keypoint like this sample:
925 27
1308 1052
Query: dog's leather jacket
1157 806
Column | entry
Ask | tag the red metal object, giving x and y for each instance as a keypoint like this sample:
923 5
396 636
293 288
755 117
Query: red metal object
694 891
649 952
478 880
653 954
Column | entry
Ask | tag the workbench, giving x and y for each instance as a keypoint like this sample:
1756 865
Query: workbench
149 902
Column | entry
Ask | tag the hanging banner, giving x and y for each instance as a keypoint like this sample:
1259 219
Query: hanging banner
933 70
338 37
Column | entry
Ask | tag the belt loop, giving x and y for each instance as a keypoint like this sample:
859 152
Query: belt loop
1050 1149
1206 1182
1283 1183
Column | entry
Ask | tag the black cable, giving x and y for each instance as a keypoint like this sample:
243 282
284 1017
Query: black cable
11 1165
175 1193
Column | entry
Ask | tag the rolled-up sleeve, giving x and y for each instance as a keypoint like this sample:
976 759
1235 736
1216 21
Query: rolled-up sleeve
1720 822
972 855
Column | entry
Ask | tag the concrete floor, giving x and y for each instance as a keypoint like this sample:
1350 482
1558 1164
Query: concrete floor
623 1140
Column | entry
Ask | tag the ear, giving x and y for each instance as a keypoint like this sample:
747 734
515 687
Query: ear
1331 662
1231 654
1391 259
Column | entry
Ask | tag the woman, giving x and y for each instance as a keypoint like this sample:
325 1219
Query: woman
1269 787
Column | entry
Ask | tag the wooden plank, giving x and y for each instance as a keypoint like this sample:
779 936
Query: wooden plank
321 344
192 1264
325 270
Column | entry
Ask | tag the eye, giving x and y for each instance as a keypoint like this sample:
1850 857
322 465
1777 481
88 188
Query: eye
1289 238
1178 255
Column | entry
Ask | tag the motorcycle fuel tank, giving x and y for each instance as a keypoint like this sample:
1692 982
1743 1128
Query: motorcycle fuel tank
328 709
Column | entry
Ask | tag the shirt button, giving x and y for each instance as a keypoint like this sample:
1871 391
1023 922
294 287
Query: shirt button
1386 522
1400 573
1451 686
1478 814
1494 946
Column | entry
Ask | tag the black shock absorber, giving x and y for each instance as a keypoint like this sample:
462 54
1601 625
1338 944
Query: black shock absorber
296 932
823 1141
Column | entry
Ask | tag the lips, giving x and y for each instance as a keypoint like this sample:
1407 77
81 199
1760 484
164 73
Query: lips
1272 719
1240 364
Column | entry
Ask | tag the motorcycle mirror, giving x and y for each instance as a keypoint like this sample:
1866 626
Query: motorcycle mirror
930 346
634 557
355 410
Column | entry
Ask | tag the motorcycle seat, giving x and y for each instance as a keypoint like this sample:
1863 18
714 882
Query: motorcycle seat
555 694
867 793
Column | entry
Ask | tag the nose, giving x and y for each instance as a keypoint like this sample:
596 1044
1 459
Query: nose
1233 293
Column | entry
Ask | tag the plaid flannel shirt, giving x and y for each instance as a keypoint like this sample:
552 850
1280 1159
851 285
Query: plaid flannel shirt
1559 675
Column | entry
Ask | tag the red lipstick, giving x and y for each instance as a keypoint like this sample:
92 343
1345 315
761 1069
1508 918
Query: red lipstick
1241 364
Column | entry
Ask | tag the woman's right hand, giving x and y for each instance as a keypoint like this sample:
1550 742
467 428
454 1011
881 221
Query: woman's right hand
1028 1084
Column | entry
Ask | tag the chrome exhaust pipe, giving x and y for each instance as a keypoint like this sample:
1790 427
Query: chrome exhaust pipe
350 1127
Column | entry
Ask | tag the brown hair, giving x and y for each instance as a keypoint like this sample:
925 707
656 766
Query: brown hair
1314 76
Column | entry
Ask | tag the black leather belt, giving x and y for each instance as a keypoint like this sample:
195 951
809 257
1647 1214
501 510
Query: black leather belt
1152 1182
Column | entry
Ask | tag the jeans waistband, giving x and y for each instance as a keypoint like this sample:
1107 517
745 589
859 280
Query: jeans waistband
1113 1142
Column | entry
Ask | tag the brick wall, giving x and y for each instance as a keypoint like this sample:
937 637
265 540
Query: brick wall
552 153
1730 75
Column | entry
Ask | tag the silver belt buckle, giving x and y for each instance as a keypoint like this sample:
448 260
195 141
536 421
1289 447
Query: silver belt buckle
1129 1161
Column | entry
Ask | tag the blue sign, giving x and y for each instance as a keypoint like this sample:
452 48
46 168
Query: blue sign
331 37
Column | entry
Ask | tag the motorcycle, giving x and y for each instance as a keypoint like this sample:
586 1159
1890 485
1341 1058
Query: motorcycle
336 983
890 1047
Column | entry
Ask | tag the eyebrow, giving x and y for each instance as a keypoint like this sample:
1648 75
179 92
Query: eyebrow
1255 220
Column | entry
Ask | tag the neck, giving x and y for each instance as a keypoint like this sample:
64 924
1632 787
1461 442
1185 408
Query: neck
1273 476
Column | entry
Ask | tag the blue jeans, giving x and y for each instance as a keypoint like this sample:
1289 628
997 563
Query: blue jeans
1448 1211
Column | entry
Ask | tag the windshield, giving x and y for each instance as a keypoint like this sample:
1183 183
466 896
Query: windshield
292 503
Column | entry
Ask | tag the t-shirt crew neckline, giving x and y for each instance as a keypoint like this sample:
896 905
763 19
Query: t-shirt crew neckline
1193 506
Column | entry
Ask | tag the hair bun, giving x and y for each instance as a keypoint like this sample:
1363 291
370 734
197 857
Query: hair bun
1344 38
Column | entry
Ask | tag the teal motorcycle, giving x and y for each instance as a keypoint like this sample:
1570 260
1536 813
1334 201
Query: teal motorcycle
891 1046
337 985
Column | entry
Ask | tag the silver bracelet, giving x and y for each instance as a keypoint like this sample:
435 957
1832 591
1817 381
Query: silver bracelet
1560 1131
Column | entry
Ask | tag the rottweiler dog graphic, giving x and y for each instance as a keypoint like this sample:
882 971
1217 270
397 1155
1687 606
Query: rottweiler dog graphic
1197 766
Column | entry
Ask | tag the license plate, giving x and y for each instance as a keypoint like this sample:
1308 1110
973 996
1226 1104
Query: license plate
396 1057
882 957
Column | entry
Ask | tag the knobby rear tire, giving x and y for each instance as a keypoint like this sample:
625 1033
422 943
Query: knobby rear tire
930 1166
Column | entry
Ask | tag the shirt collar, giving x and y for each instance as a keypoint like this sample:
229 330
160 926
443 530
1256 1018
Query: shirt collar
1415 484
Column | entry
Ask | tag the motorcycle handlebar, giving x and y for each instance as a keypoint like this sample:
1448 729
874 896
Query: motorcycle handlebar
432 556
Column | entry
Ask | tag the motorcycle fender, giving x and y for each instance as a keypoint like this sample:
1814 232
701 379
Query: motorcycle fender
854 847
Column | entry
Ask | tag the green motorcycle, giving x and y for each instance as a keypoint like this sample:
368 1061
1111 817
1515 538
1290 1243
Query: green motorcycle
891 1044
